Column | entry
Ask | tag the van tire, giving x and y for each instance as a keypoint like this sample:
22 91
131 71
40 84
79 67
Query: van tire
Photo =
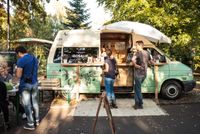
171 90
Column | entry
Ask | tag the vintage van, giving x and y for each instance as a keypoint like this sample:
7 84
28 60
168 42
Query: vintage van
75 58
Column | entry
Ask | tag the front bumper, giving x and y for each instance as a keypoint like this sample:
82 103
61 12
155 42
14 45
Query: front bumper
189 85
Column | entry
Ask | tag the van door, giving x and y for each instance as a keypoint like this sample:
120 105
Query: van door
54 69
148 85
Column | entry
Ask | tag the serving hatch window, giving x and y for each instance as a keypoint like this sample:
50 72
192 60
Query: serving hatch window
57 56
76 54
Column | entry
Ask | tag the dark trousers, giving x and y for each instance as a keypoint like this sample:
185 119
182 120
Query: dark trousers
14 100
4 101
138 95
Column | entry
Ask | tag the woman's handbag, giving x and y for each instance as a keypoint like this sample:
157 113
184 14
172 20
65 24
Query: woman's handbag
116 71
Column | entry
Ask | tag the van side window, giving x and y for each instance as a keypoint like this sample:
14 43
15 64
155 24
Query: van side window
155 55
57 56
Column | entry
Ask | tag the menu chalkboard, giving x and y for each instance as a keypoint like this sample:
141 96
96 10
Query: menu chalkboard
79 54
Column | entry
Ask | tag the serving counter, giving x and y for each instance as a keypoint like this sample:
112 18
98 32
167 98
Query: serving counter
88 78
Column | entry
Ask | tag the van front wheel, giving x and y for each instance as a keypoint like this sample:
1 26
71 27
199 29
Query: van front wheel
171 90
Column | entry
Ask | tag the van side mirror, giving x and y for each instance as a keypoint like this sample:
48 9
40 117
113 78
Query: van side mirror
162 59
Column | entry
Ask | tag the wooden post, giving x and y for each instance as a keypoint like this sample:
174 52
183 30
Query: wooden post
156 82
78 82
8 25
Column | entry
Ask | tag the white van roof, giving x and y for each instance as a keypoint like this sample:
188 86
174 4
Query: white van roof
86 38
77 38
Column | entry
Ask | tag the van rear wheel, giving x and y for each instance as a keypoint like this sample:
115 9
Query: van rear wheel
171 90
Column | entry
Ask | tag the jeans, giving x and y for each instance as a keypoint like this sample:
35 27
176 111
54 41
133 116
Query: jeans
109 86
138 95
30 102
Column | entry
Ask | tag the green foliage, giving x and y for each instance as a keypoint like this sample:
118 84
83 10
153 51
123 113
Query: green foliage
178 19
77 16
197 61
28 20
196 58
41 52
3 20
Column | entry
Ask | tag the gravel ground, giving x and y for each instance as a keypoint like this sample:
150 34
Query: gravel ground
190 97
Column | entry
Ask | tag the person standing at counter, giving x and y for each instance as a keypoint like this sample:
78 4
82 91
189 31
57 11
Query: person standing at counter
109 74
140 61
4 103
6 78
103 54
27 68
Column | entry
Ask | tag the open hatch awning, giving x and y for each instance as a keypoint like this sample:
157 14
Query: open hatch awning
147 31
33 41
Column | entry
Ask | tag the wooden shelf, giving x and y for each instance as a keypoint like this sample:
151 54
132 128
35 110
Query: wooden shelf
93 64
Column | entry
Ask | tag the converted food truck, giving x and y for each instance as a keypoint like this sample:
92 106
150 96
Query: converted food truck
76 59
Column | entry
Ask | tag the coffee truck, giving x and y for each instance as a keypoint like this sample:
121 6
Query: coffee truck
75 58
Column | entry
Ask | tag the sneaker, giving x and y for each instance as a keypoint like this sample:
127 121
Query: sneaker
114 105
23 116
7 125
135 107
138 107
37 123
111 107
29 127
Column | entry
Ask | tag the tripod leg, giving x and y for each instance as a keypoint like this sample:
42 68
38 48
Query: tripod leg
109 114
97 114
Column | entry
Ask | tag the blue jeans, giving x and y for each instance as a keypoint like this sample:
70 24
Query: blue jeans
138 95
109 86
30 102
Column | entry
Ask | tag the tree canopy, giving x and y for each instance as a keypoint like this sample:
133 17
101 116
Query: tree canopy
27 19
178 19
77 15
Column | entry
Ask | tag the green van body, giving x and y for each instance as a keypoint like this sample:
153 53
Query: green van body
90 77
174 77
175 71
